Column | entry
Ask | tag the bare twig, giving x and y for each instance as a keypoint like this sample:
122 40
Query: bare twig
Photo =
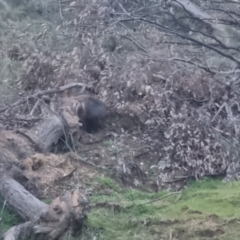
219 110
167 29
133 39
135 42
179 196
158 199
41 93
190 39
67 176
89 143
34 108
60 10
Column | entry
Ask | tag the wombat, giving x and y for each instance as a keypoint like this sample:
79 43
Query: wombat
92 114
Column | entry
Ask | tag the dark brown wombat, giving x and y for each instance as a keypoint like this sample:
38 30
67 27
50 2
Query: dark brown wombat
92 114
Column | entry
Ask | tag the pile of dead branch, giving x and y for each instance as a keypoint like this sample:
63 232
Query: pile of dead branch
170 70
151 61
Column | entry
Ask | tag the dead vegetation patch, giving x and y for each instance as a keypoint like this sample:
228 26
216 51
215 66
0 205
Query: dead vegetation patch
173 102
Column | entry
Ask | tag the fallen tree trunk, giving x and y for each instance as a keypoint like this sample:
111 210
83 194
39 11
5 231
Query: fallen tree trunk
64 215
46 133
21 201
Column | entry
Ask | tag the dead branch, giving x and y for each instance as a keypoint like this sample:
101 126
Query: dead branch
45 92
21 201
100 140
160 198
190 8
162 27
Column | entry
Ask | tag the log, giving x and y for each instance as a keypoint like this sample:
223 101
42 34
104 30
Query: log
64 215
50 130
21 201
60 120
18 232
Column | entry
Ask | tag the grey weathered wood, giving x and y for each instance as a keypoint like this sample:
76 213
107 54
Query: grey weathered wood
54 220
20 200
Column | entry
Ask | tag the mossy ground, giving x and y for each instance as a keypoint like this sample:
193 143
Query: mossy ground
208 209
7 218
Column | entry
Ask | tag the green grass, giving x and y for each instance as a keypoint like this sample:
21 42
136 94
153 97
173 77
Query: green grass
184 216
7 218
207 209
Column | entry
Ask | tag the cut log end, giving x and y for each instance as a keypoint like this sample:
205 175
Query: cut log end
66 214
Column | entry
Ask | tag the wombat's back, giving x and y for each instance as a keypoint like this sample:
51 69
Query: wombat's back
94 108
92 114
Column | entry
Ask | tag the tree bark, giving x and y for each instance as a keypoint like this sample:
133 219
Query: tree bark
65 214
21 201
